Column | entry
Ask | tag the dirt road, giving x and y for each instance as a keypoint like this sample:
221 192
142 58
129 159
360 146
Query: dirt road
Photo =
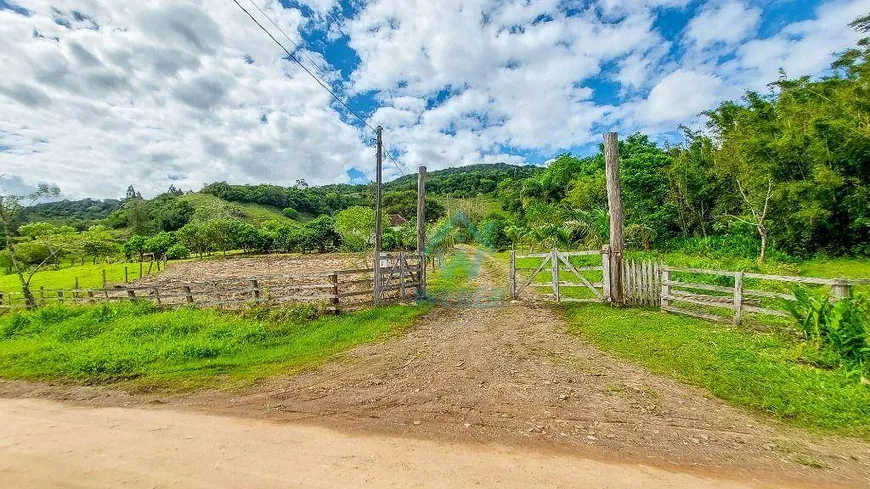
424 410
48 445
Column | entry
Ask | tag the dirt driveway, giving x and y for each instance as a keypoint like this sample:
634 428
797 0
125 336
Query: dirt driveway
49 445
510 376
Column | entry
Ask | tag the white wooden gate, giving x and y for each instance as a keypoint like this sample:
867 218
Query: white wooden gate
642 282
557 260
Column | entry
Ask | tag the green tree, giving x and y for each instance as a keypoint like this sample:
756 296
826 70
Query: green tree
356 226
10 207
320 234
98 243
160 243
135 246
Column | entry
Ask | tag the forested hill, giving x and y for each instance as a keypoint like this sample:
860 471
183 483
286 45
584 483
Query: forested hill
466 181
70 211
262 202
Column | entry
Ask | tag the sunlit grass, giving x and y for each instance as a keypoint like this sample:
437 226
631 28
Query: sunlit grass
144 347
767 372
89 276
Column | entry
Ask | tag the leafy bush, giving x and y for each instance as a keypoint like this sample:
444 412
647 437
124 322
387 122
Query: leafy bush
842 326
356 226
177 252
134 246
160 243
291 213
492 233
32 252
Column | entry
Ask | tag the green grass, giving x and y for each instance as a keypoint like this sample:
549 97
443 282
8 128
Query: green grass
453 276
144 348
836 267
90 276
766 372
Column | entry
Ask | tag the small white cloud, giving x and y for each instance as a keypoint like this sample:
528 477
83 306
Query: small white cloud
728 23
680 96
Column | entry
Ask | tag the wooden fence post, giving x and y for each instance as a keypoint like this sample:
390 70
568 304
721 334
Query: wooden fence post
1 298
333 280
131 294
378 213
402 274
840 289
605 267
105 282
188 295
513 275
140 268
614 206
126 275
554 260
738 298
421 228
156 293
666 288
60 296
42 294
255 290
90 296
76 289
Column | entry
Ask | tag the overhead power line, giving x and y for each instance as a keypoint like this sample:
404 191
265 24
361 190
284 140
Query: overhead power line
312 75
298 47
396 163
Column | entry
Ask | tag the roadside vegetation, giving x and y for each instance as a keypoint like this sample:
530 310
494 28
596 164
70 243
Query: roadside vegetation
774 373
142 347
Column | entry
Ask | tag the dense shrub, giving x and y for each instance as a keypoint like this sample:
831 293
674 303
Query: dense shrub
177 252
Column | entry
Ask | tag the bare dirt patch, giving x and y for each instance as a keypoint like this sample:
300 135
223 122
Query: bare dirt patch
97 448
220 279
248 267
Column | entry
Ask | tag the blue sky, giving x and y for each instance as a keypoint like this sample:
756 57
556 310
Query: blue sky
104 94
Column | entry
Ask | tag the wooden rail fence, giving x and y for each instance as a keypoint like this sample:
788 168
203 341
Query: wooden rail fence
723 296
728 303
337 290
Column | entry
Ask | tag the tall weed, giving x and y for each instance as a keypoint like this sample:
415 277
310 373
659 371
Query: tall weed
841 326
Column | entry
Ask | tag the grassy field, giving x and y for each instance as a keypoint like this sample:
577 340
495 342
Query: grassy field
255 214
836 268
143 347
767 372
90 276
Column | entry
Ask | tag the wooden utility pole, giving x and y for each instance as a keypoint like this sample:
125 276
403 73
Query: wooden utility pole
421 229
378 180
614 205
